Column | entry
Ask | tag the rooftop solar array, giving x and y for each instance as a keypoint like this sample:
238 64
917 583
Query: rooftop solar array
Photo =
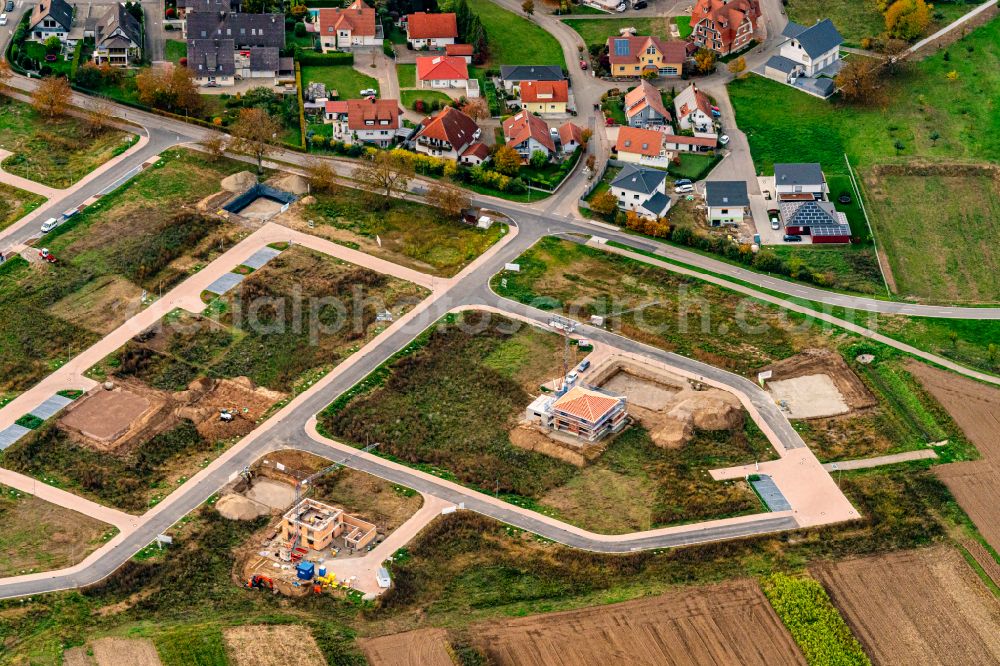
621 47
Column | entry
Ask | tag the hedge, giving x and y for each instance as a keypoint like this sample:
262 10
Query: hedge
75 65
302 108
311 59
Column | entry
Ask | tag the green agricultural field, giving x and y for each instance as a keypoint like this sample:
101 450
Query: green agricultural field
53 151
174 50
411 234
597 31
514 40
16 203
483 381
347 81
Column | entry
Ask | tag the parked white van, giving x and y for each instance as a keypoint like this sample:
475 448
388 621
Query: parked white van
49 224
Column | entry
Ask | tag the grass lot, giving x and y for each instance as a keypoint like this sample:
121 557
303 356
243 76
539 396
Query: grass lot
407 75
38 536
784 126
304 42
514 40
16 203
857 20
140 236
854 267
347 81
684 26
597 31
409 97
483 381
412 234
949 254
174 50
693 166
53 151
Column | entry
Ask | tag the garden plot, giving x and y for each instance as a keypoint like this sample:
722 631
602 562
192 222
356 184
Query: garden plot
733 623
924 606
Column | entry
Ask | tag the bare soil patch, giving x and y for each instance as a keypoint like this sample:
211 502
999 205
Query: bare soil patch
206 398
422 647
125 652
975 408
829 363
101 306
809 397
640 392
731 623
278 645
238 507
104 418
916 607
277 496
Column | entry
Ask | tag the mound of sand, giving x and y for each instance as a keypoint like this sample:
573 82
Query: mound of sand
293 183
239 182
237 507
708 410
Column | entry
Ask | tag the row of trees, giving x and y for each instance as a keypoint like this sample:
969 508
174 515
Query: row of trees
471 31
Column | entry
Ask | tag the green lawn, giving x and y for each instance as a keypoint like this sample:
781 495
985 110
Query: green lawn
693 166
408 97
38 51
514 40
597 31
683 25
407 75
305 41
16 203
347 81
174 50
53 151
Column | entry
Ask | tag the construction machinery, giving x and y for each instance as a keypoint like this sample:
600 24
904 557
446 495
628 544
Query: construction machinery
259 582
46 255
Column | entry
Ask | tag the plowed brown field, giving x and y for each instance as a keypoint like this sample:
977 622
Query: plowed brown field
976 409
916 607
731 623
423 647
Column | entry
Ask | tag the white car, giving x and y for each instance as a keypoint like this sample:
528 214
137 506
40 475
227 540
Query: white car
621 7
724 139
369 92
684 189
3 19
49 224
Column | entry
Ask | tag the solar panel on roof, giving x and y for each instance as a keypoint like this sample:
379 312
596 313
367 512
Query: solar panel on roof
621 47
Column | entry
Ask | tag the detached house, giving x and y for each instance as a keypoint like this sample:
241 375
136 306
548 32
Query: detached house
452 135
431 30
642 146
224 48
724 26
372 121
117 38
641 190
570 137
801 191
634 56
514 75
809 59
442 72
800 181
644 106
727 200
527 133
694 110
342 29
545 97
50 18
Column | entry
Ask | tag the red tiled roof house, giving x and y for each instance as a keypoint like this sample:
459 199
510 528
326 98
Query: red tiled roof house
372 121
344 29
425 30
633 56
450 135
724 26
442 72
527 133
545 97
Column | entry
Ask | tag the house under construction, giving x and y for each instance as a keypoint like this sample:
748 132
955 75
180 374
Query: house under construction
589 414
316 525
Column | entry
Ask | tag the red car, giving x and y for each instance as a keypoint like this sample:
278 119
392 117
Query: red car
610 122
583 64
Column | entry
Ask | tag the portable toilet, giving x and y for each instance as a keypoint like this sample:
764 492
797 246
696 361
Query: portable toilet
322 572
382 577
306 570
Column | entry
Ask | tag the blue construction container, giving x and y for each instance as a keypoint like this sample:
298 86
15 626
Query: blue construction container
306 570
322 572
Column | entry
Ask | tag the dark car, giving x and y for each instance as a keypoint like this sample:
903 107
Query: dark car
639 4
844 198
10 6
793 238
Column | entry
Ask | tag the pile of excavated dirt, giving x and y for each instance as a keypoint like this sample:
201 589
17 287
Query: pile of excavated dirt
239 182
237 507
711 409
292 182
205 398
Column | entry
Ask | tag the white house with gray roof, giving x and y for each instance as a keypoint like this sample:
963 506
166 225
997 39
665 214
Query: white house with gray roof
642 190
808 59
728 201
50 18
800 181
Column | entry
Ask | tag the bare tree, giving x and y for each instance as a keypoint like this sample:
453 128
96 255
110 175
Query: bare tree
322 176
254 133
52 96
100 116
448 198
477 108
214 146
859 82
386 172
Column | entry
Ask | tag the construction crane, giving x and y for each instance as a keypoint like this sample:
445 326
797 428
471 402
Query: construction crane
302 486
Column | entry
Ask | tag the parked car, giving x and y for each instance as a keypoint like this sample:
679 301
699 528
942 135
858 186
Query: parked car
682 181
583 64
621 7
369 92
572 377
684 189
716 112
49 224
610 122
9 7
584 364
639 4
792 238
775 216
3 19
724 140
